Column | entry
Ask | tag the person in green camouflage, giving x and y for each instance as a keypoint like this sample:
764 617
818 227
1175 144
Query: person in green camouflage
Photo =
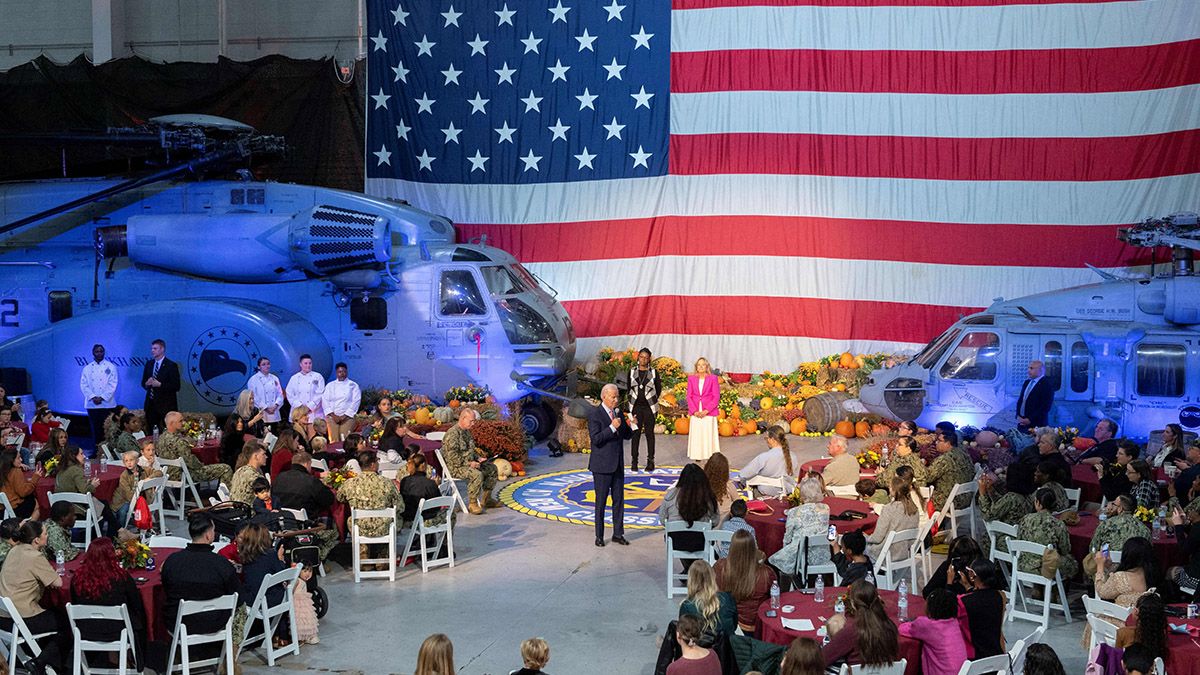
58 532
1120 525
998 504
173 445
1044 477
1041 527
952 467
369 490
906 455
126 442
464 461
250 468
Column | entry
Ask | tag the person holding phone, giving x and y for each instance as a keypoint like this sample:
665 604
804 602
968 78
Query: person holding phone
1188 575
981 607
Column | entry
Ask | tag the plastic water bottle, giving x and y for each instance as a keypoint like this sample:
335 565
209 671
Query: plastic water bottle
1162 517
155 432
1103 516
60 563
87 468
774 598
212 429
839 607
902 601
819 594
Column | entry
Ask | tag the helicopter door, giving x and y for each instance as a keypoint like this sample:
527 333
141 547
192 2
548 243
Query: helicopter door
972 376
1157 384
1077 370
369 342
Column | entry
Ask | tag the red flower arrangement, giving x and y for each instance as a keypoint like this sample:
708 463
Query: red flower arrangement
503 439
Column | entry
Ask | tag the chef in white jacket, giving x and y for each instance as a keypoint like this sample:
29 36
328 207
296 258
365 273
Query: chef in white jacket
268 393
98 382
305 389
340 403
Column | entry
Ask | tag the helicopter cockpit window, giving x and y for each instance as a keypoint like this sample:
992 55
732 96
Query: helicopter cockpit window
977 357
1161 370
369 314
1081 366
501 281
522 324
460 294
934 350
60 306
462 254
1052 359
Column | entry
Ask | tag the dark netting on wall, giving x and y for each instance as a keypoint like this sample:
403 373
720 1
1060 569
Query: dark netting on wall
302 100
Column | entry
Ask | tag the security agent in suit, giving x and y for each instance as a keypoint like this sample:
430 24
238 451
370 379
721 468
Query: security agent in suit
608 432
1035 399
160 379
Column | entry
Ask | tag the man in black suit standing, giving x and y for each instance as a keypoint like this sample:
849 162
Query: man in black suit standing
160 379
608 432
1035 399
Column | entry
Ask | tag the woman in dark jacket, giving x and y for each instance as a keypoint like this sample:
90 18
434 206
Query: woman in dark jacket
260 560
981 608
417 485
101 580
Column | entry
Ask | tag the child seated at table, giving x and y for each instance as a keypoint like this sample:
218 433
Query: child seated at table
1137 661
943 649
868 491
262 496
851 561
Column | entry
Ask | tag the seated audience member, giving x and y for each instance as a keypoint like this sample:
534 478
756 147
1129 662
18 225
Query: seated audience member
112 425
297 488
1187 576
869 636
902 513
70 478
1041 527
951 467
851 560
19 489
735 523
843 468
417 485
149 455
779 461
250 464
122 499
943 649
233 440
24 578
810 518
1146 626
196 573
43 423
868 491
716 469
1137 572
1172 449
125 441
302 424
998 503
1119 526
393 445
1145 488
173 445
535 654
436 656
1191 499
1045 476
58 532
249 413
1041 659
9 528
716 609
285 446
1189 470
695 660
744 576
1137 660
803 657
262 503
1113 478
981 607
690 500
961 552
905 455
1021 472
259 560
100 580
370 491
1105 449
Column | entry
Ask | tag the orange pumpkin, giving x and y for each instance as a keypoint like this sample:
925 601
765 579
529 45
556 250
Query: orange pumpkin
789 406
845 428
847 360
422 416
454 403
736 412
767 403
669 399
749 427
725 428
682 425
799 426
839 387
720 414
862 429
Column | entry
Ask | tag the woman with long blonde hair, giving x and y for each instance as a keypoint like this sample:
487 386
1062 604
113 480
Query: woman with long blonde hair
744 576
902 513
436 656
703 397
716 469
715 608
251 415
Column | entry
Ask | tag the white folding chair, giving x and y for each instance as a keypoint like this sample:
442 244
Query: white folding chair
843 491
391 474
765 481
700 526
987 666
893 668
435 435
920 552
107 452
1017 547
168 541
447 478
1074 495
271 615
90 521
320 464
968 513
155 488
1102 632
1016 655
123 646
182 640
138 435
810 569
1102 608
180 489
298 514
885 565
19 643
421 530
223 493
9 512
713 539
995 530
1160 668
357 539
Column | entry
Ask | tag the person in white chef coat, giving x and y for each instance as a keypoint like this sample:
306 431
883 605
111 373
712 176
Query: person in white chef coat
268 393
98 382
340 401
305 389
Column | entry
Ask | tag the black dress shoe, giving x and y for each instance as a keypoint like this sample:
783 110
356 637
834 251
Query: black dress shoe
649 467
633 468
620 540
599 542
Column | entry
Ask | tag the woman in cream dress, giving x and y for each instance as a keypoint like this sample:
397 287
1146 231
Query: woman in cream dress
703 395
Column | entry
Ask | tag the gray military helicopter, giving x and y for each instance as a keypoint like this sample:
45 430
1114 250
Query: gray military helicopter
226 271
1124 348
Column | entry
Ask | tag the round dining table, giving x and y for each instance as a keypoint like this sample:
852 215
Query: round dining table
804 605
149 583
109 476
1166 546
340 511
1183 657
770 526
1085 478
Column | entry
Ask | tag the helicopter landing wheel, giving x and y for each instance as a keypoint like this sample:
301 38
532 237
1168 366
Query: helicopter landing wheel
538 420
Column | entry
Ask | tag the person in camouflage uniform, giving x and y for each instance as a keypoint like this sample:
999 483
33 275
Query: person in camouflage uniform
464 461
906 455
58 532
369 491
1043 477
952 467
1041 527
1119 526
125 441
998 504
250 468
172 445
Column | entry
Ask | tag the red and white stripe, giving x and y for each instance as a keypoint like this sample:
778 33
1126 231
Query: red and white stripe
856 174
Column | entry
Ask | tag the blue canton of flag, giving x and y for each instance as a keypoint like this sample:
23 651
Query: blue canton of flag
466 91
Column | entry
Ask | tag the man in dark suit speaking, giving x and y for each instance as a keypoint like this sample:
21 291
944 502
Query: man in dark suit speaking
1035 399
608 432
160 379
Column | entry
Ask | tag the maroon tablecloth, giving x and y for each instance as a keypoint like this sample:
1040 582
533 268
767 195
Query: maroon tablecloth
1166 547
820 464
209 451
769 528
1183 657
109 477
805 606
153 595
1088 482
340 511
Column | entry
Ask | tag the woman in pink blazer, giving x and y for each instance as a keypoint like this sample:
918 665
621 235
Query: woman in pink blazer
703 395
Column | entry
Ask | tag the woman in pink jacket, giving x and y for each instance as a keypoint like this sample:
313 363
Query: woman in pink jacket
703 395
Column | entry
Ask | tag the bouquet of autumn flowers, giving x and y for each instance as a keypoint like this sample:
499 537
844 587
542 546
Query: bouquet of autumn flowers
1144 514
192 428
869 458
50 466
337 477
133 554
468 394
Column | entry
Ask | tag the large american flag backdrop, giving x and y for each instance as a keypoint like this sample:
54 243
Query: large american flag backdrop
766 181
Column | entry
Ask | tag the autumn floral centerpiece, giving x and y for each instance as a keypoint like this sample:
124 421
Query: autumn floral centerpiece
337 477
133 554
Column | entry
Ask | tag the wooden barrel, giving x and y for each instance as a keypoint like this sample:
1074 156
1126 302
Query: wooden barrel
823 411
